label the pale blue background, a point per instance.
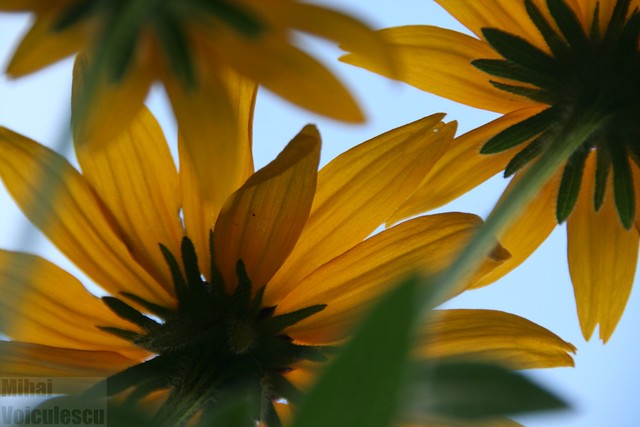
(602, 388)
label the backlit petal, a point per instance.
(58, 200)
(528, 230)
(136, 178)
(43, 304)
(19, 359)
(291, 74)
(438, 60)
(101, 107)
(493, 336)
(43, 46)
(261, 222)
(358, 191)
(351, 281)
(462, 167)
(602, 259)
(507, 15)
(214, 118)
(227, 162)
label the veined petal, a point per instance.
(43, 304)
(493, 336)
(529, 230)
(348, 283)
(261, 222)
(507, 15)
(602, 258)
(57, 199)
(291, 74)
(43, 46)
(438, 60)
(103, 108)
(214, 120)
(462, 167)
(20, 359)
(136, 178)
(227, 162)
(358, 191)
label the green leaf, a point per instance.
(362, 387)
(520, 132)
(474, 390)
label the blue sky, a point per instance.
(599, 387)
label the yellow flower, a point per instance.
(277, 271)
(189, 46)
(548, 67)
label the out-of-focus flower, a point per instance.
(550, 68)
(189, 46)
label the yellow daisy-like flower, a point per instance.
(247, 292)
(548, 67)
(189, 46)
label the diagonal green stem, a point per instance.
(574, 134)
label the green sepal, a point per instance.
(623, 190)
(520, 132)
(594, 31)
(570, 185)
(511, 71)
(130, 377)
(238, 409)
(179, 285)
(463, 390)
(603, 165)
(237, 17)
(568, 23)
(618, 18)
(534, 94)
(158, 310)
(519, 51)
(276, 324)
(73, 14)
(125, 334)
(269, 414)
(126, 312)
(553, 40)
(195, 283)
(530, 152)
(144, 389)
(173, 40)
(240, 300)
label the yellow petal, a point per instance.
(101, 107)
(493, 336)
(433, 421)
(44, 304)
(57, 199)
(214, 120)
(350, 33)
(136, 179)
(291, 74)
(529, 230)
(507, 15)
(223, 164)
(438, 60)
(348, 283)
(462, 167)
(602, 258)
(262, 221)
(43, 46)
(19, 359)
(358, 191)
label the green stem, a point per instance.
(574, 134)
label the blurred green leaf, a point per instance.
(473, 390)
(362, 387)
